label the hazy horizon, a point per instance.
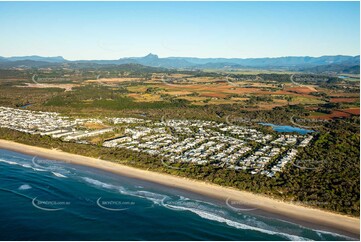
(215, 57)
(113, 30)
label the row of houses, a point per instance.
(185, 141)
(48, 123)
(209, 144)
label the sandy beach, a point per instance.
(304, 215)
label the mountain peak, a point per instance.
(151, 56)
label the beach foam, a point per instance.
(235, 224)
(58, 174)
(99, 183)
(298, 211)
(9, 162)
(156, 198)
(20, 164)
(25, 187)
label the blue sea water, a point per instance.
(287, 129)
(52, 200)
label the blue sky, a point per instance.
(110, 30)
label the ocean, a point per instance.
(52, 200)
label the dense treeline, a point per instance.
(329, 177)
(105, 98)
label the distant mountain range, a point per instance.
(337, 63)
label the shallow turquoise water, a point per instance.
(52, 200)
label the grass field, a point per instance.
(144, 91)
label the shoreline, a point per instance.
(342, 224)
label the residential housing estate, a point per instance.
(175, 141)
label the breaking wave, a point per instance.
(25, 187)
(199, 208)
(58, 174)
(9, 162)
(156, 198)
(214, 217)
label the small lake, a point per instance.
(288, 129)
(26, 105)
(343, 77)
